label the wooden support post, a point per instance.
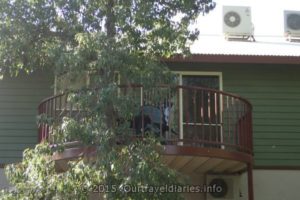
(250, 182)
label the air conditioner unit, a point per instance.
(223, 187)
(292, 23)
(237, 21)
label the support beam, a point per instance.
(250, 181)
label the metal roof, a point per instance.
(264, 46)
(266, 50)
(246, 59)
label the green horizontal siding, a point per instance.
(274, 91)
(18, 133)
(9, 147)
(276, 134)
(11, 154)
(278, 149)
(23, 111)
(19, 99)
(21, 139)
(275, 128)
(275, 95)
(16, 125)
(277, 162)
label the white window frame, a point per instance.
(195, 73)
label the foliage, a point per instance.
(42, 33)
(133, 165)
(103, 38)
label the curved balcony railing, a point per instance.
(182, 115)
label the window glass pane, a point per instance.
(201, 81)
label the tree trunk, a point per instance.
(111, 32)
(111, 21)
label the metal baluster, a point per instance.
(234, 119)
(216, 118)
(202, 117)
(187, 113)
(194, 110)
(228, 120)
(142, 106)
(209, 115)
(222, 100)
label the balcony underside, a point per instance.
(187, 160)
(197, 160)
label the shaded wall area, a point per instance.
(19, 99)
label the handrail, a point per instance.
(217, 91)
(178, 86)
(189, 116)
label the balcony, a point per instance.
(201, 130)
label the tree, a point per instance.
(102, 37)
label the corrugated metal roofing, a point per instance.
(264, 46)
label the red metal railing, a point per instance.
(181, 115)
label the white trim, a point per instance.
(205, 124)
(180, 110)
(201, 73)
(55, 84)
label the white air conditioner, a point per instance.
(223, 187)
(237, 21)
(292, 23)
